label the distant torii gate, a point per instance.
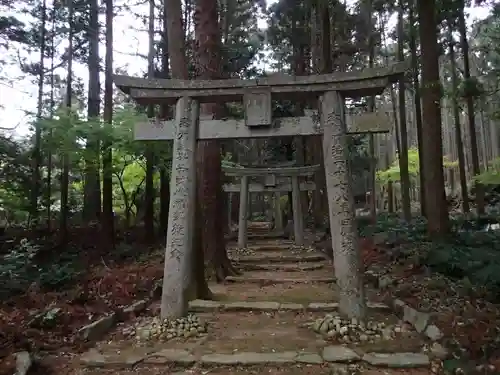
(257, 95)
(271, 185)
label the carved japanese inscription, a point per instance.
(347, 260)
(178, 252)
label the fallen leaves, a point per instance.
(48, 321)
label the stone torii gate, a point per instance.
(271, 185)
(257, 95)
(278, 220)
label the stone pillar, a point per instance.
(278, 215)
(180, 232)
(242, 222)
(298, 220)
(347, 260)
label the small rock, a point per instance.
(97, 329)
(418, 319)
(363, 337)
(385, 281)
(433, 332)
(387, 333)
(23, 363)
(438, 350)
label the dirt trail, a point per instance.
(265, 326)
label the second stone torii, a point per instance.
(271, 185)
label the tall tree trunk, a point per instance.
(456, 117)
(92, 186)
(63, 219)
(208, 62)
(107, 166)
(371, 108)
(403, 155)
(164, 113)
(437, 212)
(52, 107)
(418, 107)
(324, 65)
(37, 152)
(149, 195)
(479, 190)
(299, 69)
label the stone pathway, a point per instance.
(263, 320)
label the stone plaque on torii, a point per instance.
(257, 95)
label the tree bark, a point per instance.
(37, 149)
(149, 194)
(208, 63)
(456, 117)
(92, 186)
(418, 108)
(437, 211)
(164, 114)
(476, 169)
(403, 155)
(107, 166)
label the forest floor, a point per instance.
(259, 321)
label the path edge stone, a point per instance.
(97, 329)
(330, 354)
(423, 322)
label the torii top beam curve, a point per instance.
(366, 82)
(304, 171)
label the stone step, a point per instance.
(281, 267)
(267, 280)
(280, 258)
(200, 305)
(259, 235)
(329, 354)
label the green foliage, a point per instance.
(472, 256)
(392, 174)
(396, 229)
(492, 175)
(19, 270)
(15, 178)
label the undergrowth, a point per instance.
(21, 268)
(469, 253)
